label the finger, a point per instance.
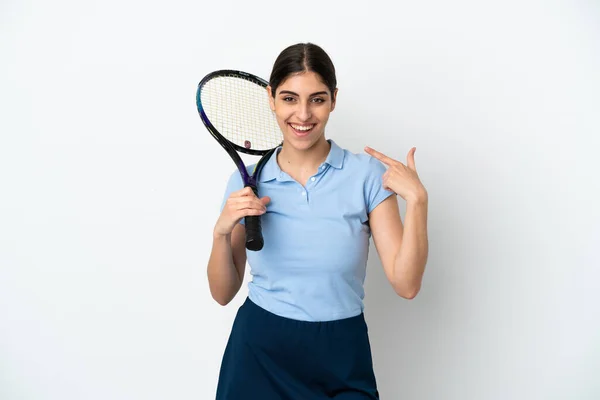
(265, 200)
(410, 159)
(247, 213)
(247, 191)
(251, 211)
(246, 202)
(255, 204)
(385, 176)
(380, 156)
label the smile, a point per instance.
(302, 128)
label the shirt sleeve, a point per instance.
(234, 184)
(374, 191)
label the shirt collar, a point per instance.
(271, 169)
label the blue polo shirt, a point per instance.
(313, 263)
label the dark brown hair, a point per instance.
(303, 57)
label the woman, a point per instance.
(301, 333)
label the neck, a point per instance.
(302, 161)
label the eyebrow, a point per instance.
(296, 94)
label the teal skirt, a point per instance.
(269, 357)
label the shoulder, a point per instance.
(235, 181)
(367, 171)
(362, 164)
(235, 175)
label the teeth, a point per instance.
(302, 128)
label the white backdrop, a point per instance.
(110, 186)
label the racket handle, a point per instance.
(254, 237)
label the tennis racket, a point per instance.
(234, 107)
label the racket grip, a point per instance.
(254, 237)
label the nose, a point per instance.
(303, 111)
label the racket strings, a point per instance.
(239, 110)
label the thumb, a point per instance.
(265, 200)
(410, 159)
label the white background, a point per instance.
(110, 186)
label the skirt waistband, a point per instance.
(256, 312)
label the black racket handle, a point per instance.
(254, 237)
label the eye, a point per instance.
(288, 99)
(318, 100)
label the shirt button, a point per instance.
(312, 179)
(303, 193)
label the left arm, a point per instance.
(403, 250)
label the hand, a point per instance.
(239, 205)
(401, 179)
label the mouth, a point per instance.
(302, 129)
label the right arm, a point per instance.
(227, 262)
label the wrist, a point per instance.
(221, 236)
(420, 197)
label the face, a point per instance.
(302, 105)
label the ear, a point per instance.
(334, 99)
(271, 99)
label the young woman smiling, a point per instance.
(301, 332)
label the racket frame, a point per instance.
(254, 237)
